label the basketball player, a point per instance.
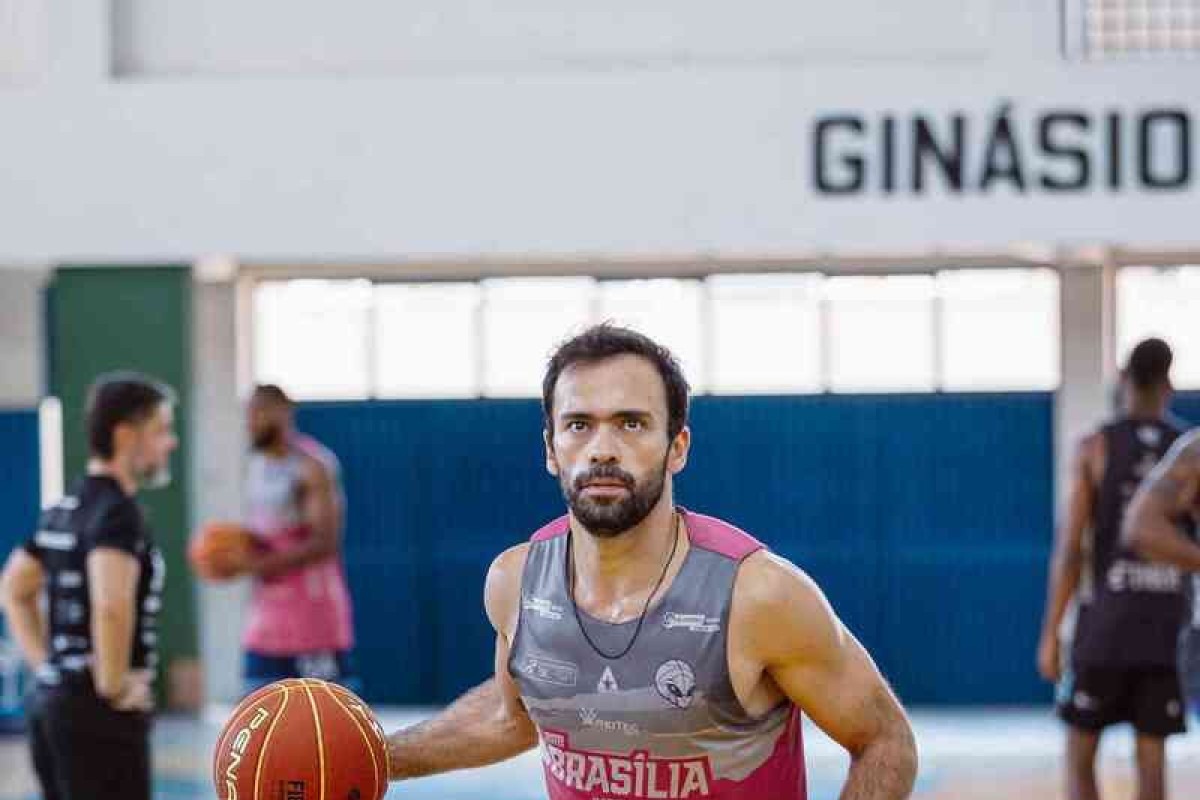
(300, 623)
(656, 652)
(95, 558)
(1160, 525)
(1121, 666)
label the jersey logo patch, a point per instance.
(696, 623)
(676, 683)
(548, 670)
(1149, 435)
(55, 540)
(608, 682)
(543, 608)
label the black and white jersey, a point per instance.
(97, 513)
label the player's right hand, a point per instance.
(1049, 658)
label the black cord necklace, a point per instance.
(641, 617)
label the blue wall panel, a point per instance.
(1187, 406)
(435, 490)
(20, 481)
(20, 496)
(926, 519)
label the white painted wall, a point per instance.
(309, 37)
(458, 130)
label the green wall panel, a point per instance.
(131, 318)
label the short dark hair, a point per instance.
(1149, 364)
(121, 397)
(272, 392)
(607, 340)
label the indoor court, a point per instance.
(904, 255)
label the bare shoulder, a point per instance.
(781, 611)
(502, 589)
(314, 471)
(1182, 461)
(1178, 473)
(1186, 448)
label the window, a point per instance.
(524, 319)
(999, 329)
(881, 333)
(665, 309)
(766, 333)
(309, 337)
(1119, 28)
(960, 330)
(1162, 302)
(425, 337)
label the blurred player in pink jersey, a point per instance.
(300, 622)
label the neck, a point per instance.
(1146, 407)
(117, 470)
(631, 559)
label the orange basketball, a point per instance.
(301, 739)
(217, 548)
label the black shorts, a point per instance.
(259, 669)
(84, 749)
(1150, 698)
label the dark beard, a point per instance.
(611, 519)
(266, 439)
(155, 478)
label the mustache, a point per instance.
(606, 472)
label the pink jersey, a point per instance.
(306, 610)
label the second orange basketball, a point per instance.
(218, 548)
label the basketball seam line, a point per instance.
(262, 751)
(362, 733)
(320, 740)
(230, 727)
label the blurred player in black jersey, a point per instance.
(1121, 666)
(102, 574)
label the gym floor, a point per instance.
(1005, 754)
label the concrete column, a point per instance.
(80, 40)
(22, 371)
(219, 443)
(1088, 334)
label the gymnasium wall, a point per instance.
(926, 518)
(453, 131)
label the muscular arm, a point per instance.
(487, 724)
(1168, 494)
(1066, 561)
(788, 627)
(320, 514)
(21, 587)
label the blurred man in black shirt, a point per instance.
(95, 558)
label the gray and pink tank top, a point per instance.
(306, 610)
(663, 722)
